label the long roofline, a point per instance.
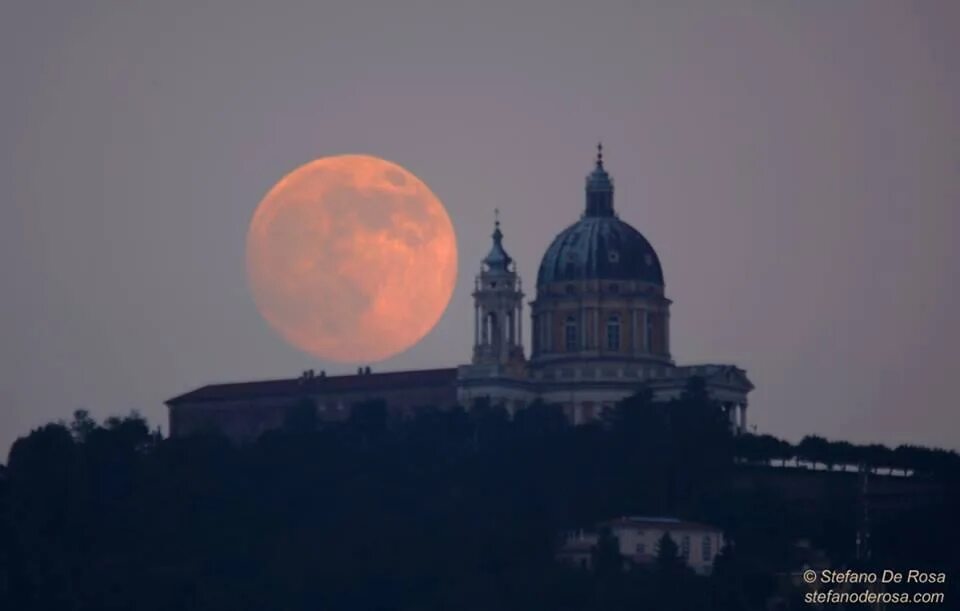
(287, 387)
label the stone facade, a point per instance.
(600, 324)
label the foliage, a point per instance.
(607, 561)
(814, 451)
(452, 509)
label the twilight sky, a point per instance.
(795, 164)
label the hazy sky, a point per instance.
(795, 164)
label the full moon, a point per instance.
(351, 258)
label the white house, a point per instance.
(639, 540)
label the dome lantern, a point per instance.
(497, 259)
(599, 189)
(600, 246)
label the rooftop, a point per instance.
(657, 522)
(291, 387)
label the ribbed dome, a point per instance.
(600, 247)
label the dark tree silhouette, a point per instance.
(83, 424)
(607, 560)
(301, 417)
(669, 563)
(452, 508)
(815, 450)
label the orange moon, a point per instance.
(351, 258)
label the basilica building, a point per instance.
(600, 322)
(600, 329)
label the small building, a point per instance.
(639, 538)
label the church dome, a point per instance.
(600, 246)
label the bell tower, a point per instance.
(498, 308)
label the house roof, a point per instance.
(647, 522)
(292, 387)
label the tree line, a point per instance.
(815, 451)
(452, 509)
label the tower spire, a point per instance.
(498, 301)
(497, 259)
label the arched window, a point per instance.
(613, 333)
(570, 334)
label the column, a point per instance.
(534, 337)
(549, 331)
(743, 417)
(476, 325)
(520, 324)
(505, 333)
(582, 328)
(731, 409)
(543, 320)
(634, 336)
(597, 344)
(646, 331)
(666, 332)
